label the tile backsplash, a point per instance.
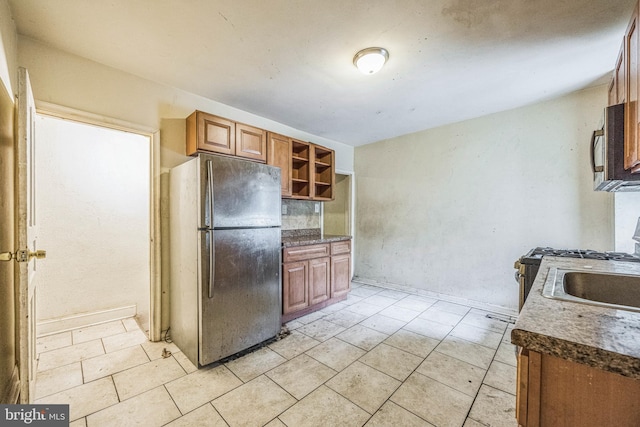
(300, 214)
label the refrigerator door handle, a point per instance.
(210, 192)
(212, 263)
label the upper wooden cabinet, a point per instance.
(631, 155)
(206, 132)
(251, 143)
(213, 134)
(313, 171)
(307, 170)
(324, 173)
(279, 154)
(301, 170)
(624, 88)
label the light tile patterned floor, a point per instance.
(380, 358)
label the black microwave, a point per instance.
(607, 154)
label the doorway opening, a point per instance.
(336, 215)
(93, 193)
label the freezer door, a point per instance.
(240, 193)
(241, 302)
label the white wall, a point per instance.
(450, 209)
(627, 212)
(92, 192)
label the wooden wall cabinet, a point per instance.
(213, 134)
(631, 157)
(559, 393)
(314, 276)
(324, 175)
(251, 142)
(279, 154)
(307, 170)
(301, 158)
(624, 88)
(313, 171)
(209, 133)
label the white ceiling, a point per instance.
(291, 60)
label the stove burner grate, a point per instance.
(582, 253)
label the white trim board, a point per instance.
(63, 324)
(444, 297)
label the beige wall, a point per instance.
(450, 209)
(8, 49)
(336, 213)
(72, 81)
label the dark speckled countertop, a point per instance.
(308, 237)
(605, 338)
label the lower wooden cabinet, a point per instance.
(295, 285)
(319, 280)
(556, 392)
(313, 277)
(340, 275)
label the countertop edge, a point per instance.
(559, 328)
(609, 361)
(288, 242)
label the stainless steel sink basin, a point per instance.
(617, 291)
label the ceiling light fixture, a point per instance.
(371, 59)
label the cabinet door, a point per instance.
(619, 77)
(251, 143)
(206, 132)
(279, 154)
(340, 275)
(295, 279)
(631, 158)
(319, 280)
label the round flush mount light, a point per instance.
(371, 59)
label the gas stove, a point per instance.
(528, 265)
(538, 253)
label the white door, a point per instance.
(26, 238)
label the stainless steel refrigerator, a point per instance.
(225, 290)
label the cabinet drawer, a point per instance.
(343, 247)
(300, 253)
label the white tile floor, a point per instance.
(380, 358)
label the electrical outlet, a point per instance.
(317, 207)
(284, 209)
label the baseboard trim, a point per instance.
(63, 324)
(449, 298)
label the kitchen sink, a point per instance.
(619, 291)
